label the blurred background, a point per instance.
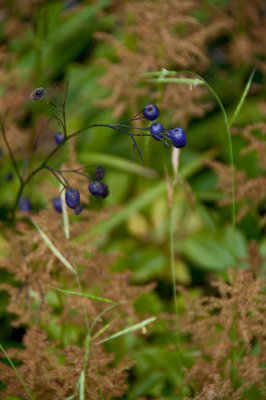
(104, 48)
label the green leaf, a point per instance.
(82, 386)
(65, 215)
(242, 99)
(16, 372)
(129, 330)
(86, 295)
(212, 251)
(119, 163)
(53, 248)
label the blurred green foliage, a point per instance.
(57, 45)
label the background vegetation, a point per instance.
(185, 284)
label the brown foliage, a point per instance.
(224, 328)
(37, 272)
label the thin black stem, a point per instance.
(3, 128)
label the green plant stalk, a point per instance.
(17, 373)
(227, 125)
(173, 276)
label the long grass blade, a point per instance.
(53, 248)
(129, 330)
(82, 386)
(65, 215)
(242, 99)
(121, 164)
(17, 373)
(87, 296)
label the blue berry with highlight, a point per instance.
(178, 137)
(151, 112)
(72, 198)
(156, 129)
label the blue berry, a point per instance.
(57, 204)
(99, 173)
(105, 191)
(25, 204)
(99, 189)
(9, 176)
(78, 209)
(59, 137)
(37, 94)
(151, 112)
(178, 137)
(72, 198)
(156, 128)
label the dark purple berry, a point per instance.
(57, 204)
(9, 176)
(72, 198)
(59, 137)
(37, 94)
(24, 204)
(99, 189)
(156, 129)
(168, 133)
(178, 137)
(99, 173)
(78, 209)
(151, 112)
(105, 190)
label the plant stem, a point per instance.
(9, 149)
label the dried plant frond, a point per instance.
(238, 310)
(250, 47)
(40, 358)
(254, 142)
(247, 190)
(181, 44)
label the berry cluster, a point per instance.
(176, 135)
(97, 188)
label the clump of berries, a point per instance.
(176, 135)
(99, 189)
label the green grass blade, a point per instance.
(119, 163)
(163, 72)
(16, 372)
(86, 295)
(53, 248)
(82, 386)
(242, 99)
(188, 81)
(65, 215)
(129, 330)
(101, 331)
